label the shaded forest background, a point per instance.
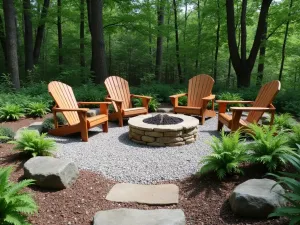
(163, 41)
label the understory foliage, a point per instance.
(270, 146)
(6, 134)
(153, 103)
(294, 136)
(34, 144)
(292, 194)
(37, 109)
(284, 121)
(228, 154)
(14, 204)
(11, 112)
(48, 124)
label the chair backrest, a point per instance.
(264, 98)
(118, 88)
(64, 98)
(200, 86)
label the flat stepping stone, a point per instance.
(93, 112)
(49, 172)
(36, 126)
(163, 194)
(140, 217)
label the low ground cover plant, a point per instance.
(34, 144)
(229, 152)
(292, 195)
(48, 124)
(294, 136)
(37, 109)
(15, 204)
(270, 146)
(11, 112)
(284, 121)
(6, 134)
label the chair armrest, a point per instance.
(93, 103)
(70, 110)
(178, 95)
(247, 109)
(114, 100)
(233, 102)
(209, 98)
(140, 96)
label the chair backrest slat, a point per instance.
(200, 86)
(64, 98)
(264, 98)
(118, 88)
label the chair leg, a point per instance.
(220, 125)
(84, 135)
(105, 127)
(120, 121)
(202, 119)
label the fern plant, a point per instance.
(228, 154)
(37, 109)
(153, 103)
(294, 136)
(6, 133)
(284, 121)
(11, 112)
(269, 147)
(14, 204)
(292, 195)
(35, 144)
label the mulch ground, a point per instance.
(203, 200)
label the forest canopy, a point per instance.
(238, 42)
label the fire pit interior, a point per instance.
(163, 119)
(163, 129)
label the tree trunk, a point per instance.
(261, 59)
(284, 41)
(28, 36)
(11, 41)
(159, 41)
(198, 35)
(242, 65)
(109, 55)
(181, 79)
(228, 73)
(3, 41)
(184, 35)
(167, 74)
(59, 34)
(90, 22)
(82, 57)
(217, 42)
(40, 32)
(98, 45)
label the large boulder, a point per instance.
(256, 198)
(49, 172)
(140, 217)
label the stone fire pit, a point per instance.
(163, 129)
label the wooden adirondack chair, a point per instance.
(199, 94)
(262, 104)
(76, 117)
(119, 95)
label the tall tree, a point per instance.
(11, 41)
(40, 32)
(82, 57)
(98, 45)
(285, 40)
(217, 41)
(242, 65)
(261, 59)
(2, 39)
(28, 36)
(198, 35)
(181, 79)
(59, 34)
(159, 41)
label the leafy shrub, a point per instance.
(48, 124)
(269, 147)
(37, 109)
(284, 121)
(34, 144)
(228, 153)
(14, 204)
(153, 104)
(182, 101)
(294, 136)
(230, 97)
(6, 134)
(11, 112)
(292, 195)
(90, 93)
